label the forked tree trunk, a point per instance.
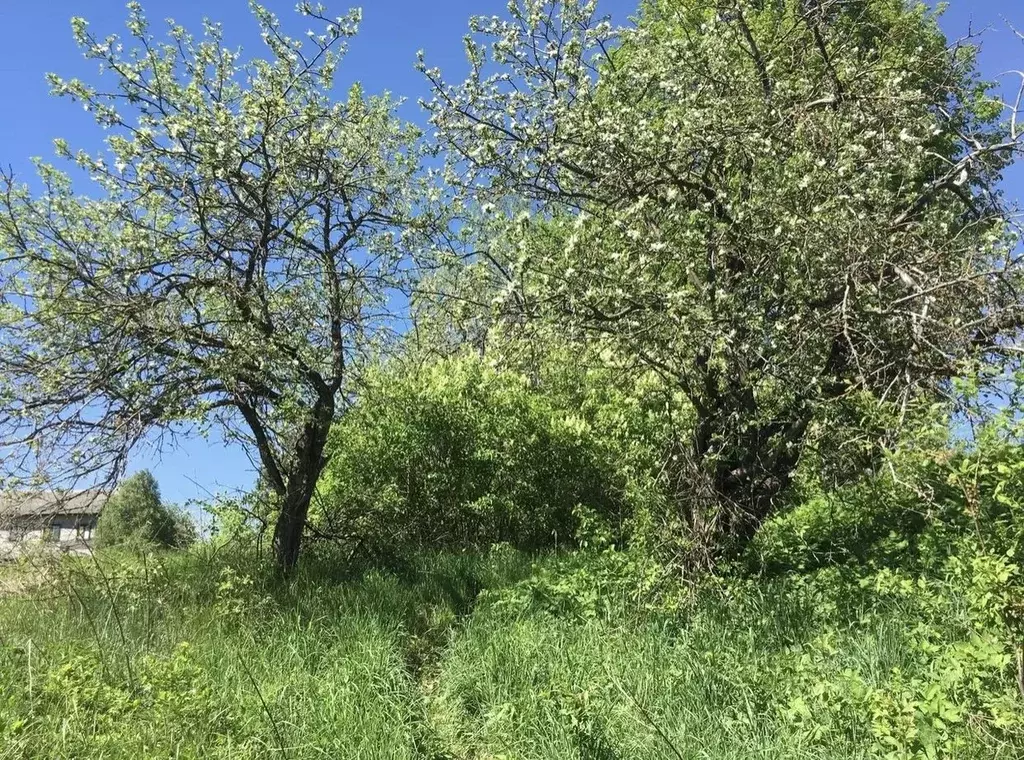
(725, 501)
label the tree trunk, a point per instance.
(301, 486)
(289, 529)
(724, 503)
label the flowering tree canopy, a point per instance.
(778, 205)
(239, 261)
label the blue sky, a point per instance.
(35, 38)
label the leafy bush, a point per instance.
(872, 521)
(939, 533)
(932, 492)
(135, 514)
(457, 454)
(186, 532)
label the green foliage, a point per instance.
(135, 514)
(455, 453)
(186, 532)
(103, 717)
(500, 653)
(853, 664)
(930, 496)
(95, 666)
(833, 237)
(221, 260)
(938, 533)
(754, 376)
(874, 520)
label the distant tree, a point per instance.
(780, 207)
(135, 514)
(242, 257)
(186, 532)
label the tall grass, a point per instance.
(194, 654)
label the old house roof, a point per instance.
(22, 504)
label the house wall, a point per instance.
(62, 530)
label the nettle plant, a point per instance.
(238, 259)
(778, 206)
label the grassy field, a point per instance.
(496, 655)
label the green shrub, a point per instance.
(135, 514)
(458, 454)
(938, 534)
(186, 533)
(915, 510)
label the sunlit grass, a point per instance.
(201, 655)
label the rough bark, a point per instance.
(300, 487)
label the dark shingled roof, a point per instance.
(50, 503)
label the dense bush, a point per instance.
(135, 514)
(916, 510)
(456, 453)
(939, 532)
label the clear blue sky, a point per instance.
(35, 38)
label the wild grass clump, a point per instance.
(864, 623)
(201, 654)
